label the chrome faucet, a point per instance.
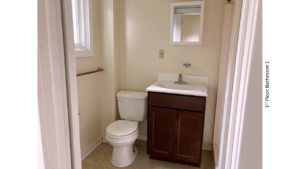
(180, 80)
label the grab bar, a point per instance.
(90, 72)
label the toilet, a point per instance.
(121, 134)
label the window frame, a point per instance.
(82, 16)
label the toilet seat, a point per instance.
(121, 128)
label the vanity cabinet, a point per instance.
(175, 127)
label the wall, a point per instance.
(251, 145)
(144, 29)
(226, 69)
(89, 108)
(89, 91)
(96, 92)
(109, 61)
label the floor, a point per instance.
(100, 159)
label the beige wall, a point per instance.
(89, 92)
(144, 29)
(96, 92)
(88, 97)
(109, 61)
(226, 71)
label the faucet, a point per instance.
(180, 80)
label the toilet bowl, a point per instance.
(121, 134)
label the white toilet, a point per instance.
(121, 134)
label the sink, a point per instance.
(196, 85)
(172, 85)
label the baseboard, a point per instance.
(142, 137)
(91, 148)
(207, 147)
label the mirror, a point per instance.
(187, 23)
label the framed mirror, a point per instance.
(186, 26)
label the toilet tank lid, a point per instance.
(132, 95)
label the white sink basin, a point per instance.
(196, 85)
(172, 85)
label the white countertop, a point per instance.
(196, 85)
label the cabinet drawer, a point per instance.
(192, 103)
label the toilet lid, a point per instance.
(121, 128)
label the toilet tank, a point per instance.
(132, 105)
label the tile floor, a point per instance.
(100, 159)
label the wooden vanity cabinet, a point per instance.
(175, 127)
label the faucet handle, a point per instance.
(180, 76)
(187, 65)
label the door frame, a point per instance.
(52, 90)
(231, 134)
(72, 89)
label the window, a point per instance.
(82, 27)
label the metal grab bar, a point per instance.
(90, 72)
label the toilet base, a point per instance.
(123, 156)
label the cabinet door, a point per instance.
(161, 129)
(189, 136)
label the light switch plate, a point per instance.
(161, 53)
